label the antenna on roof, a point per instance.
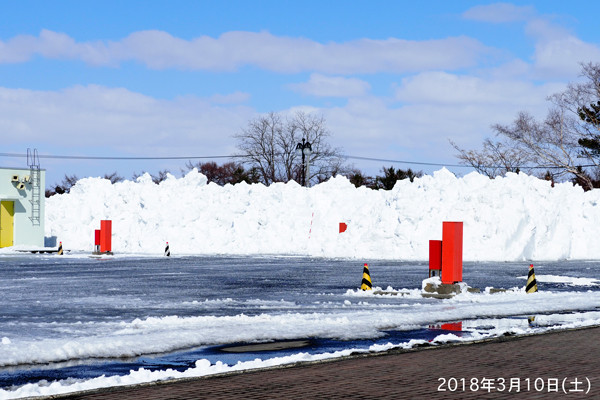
(33, 160)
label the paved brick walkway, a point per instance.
(549, 366)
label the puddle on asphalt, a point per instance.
(267, 346)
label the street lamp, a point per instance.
(304, 149)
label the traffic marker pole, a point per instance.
(366, 280)
(531, 282)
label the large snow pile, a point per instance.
(517, 217)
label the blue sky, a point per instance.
(394, 79)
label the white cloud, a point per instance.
(433, 108)
(331, 86)
(232, 98)
(499, 13)
(543, 30)
(232, 50)
(93, 116)
(558, 53)
(18, 49)
(436, 88)
(54, 45)
(563, 57)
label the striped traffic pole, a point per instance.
(366, 280)
(60, 249)
(167, 251)
(531, 282)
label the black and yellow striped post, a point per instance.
(366, 280)
(531, 282)
(167, 250)
(60, 249)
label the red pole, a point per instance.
(435, 258)
(105, 236)
(452, 247)
(97, 239)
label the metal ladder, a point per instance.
(33, 161)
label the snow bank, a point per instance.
(358, 316)
(514, 218)
(204, 367)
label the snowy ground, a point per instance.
(74, 322)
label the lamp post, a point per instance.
(304, 149)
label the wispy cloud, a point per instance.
(233, 50)
(439, 88)
(331, 86)
(499, 13)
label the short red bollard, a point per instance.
(97, 240)
(435, 258)
(452, 239)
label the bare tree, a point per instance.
(64, 187)
(114, 177)
(549, 144)
(496, 158)
(230, 172)
(555, 144)
(268, 144)
(258, 144)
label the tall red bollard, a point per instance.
(452, 249)
(435, 258)
(105, 236)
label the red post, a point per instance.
(452, 326)
(343, 227)
(452, 239)
(435, 258)
(97, 240)
(105, 235)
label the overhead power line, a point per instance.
(66, 157)
(403, 161)
(54, 156)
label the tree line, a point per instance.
(233, 173)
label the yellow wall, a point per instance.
(7, 214)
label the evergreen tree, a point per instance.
(591, 115)
(391, 176)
